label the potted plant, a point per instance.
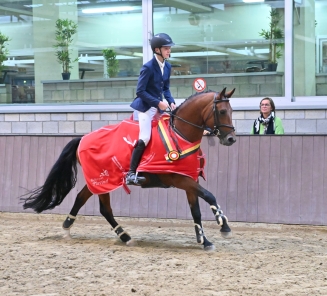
(65, 30)
(3, 52)
(111, 62)
(274, 35)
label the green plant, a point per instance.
(274, 35)
(3, 49)
(111, 62)
(65, 30)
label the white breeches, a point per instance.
(145, 119)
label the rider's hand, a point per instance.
(163, 105)
(172, 106)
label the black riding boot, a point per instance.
(131, 177)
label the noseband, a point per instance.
(216, 131)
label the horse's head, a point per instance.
(219, 119)
(209, 109)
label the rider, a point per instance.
(153, 82)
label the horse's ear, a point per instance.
(222, 94)
(230, 93)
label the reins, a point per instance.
(216, 127)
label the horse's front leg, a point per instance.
(196, 214)
(106, 211)
(221, 219)
(80, 201)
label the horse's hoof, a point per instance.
(67, 234)
(131, 243)
(226, 234)
(210, 248)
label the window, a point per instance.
(101, 24)
(229, 39)
(310, 48)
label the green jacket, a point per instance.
(279, 130)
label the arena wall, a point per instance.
(270, 179)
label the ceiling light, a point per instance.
(197, 54)
(33, 5)
(108, 9)
(253, 1)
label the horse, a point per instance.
(197, 113)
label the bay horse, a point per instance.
(189, 120)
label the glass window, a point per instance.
(310, 48)
(230, 39)
(102, 24)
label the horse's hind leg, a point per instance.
(106, 211)
(80, 201)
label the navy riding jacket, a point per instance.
(151, 86)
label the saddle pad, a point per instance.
(105, 154)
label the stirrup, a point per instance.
(133, 179)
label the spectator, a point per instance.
(267, 123)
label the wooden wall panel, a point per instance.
(323, 194)
(172, 203)
(33, 166)
(242, 179)
(274, 182)
(232, 176)
(162, 203)
(158, 202)
(273, 179)
(15, 175)
(7, 171)
(264, 211)
(139, 200)
(25, 167)
(144, 202)
(3, 141)
(318, 208)
(252, 180)
(306, 180)
(284, 180)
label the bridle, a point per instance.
(216, 131)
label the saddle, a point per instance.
(105, 154)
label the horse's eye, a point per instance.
(223, 112)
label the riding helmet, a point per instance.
(160, 40)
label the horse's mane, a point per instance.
(191, 97)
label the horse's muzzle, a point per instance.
(228, 140)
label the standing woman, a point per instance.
(267, 123)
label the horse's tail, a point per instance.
(61, 179)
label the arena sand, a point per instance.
(260, 259)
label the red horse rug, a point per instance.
(105, 154)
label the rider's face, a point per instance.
(165, 51)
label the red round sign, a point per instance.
(199, 84)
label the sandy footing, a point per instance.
(259, 259)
